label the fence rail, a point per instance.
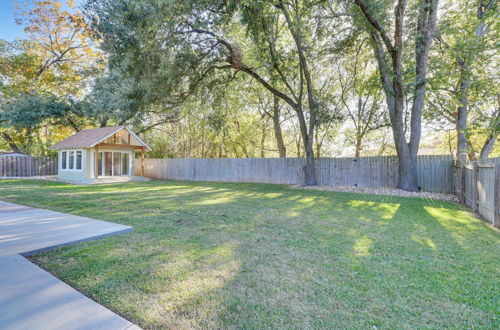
(435, 172)
(478, 184)
(23, 166)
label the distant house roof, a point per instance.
(88, 138)
(5, 154)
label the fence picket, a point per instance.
(364, 172)
(23, 166)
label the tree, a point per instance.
(62, 44)
(278, 134)
(389, 53)
(270, 107)
(489, 124)
(461, 77)
(45, 77)
(211, 42)
(361, 94)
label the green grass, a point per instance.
(219, 255)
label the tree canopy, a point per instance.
(255, 78)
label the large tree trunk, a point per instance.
(277, 127)
(391, 77)
(461, 127)
(12, 145)
(407, 169)
(310, 168)
(408, 179)
(307, 132)
(308, 142)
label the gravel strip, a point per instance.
(382, 191)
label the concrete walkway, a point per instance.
(31, 298)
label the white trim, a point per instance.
(119, 129)
(113, 152)
(92, 164)
(139, 139)
(107, 136)
(60, 159)
(74, 169)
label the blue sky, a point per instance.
(9, 30)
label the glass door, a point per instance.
(113, 163)
(99, 164)
(117, 163)
(108, 163)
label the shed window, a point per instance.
(71, 160)
(64, 154)
(78, 160)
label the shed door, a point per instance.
(108, 163)
(117, 163)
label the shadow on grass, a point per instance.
(241, 255)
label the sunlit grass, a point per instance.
(222, 255)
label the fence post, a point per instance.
(496, 197)
(475, 182)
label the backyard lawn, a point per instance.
(219, 255)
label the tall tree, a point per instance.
(389, 53)
(269, 106)
(360, 93)
(461, 77)
(45, 76)
(210, 42)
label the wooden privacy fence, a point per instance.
(478, 185)
(435, 172)
(23, 166)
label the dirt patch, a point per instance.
(184, 221)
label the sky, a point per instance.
(9, 30)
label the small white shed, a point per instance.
(93, 154)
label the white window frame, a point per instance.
(129, 165)
(76, 160)
(65, 162)
(74, 169)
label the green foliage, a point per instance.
(32, 110)
(43, 79)
(466, 45)
(163, 67)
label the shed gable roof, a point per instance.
(88, 138)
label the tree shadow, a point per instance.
(269, 256)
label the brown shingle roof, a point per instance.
(87, 138)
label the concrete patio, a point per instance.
(31, 298)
